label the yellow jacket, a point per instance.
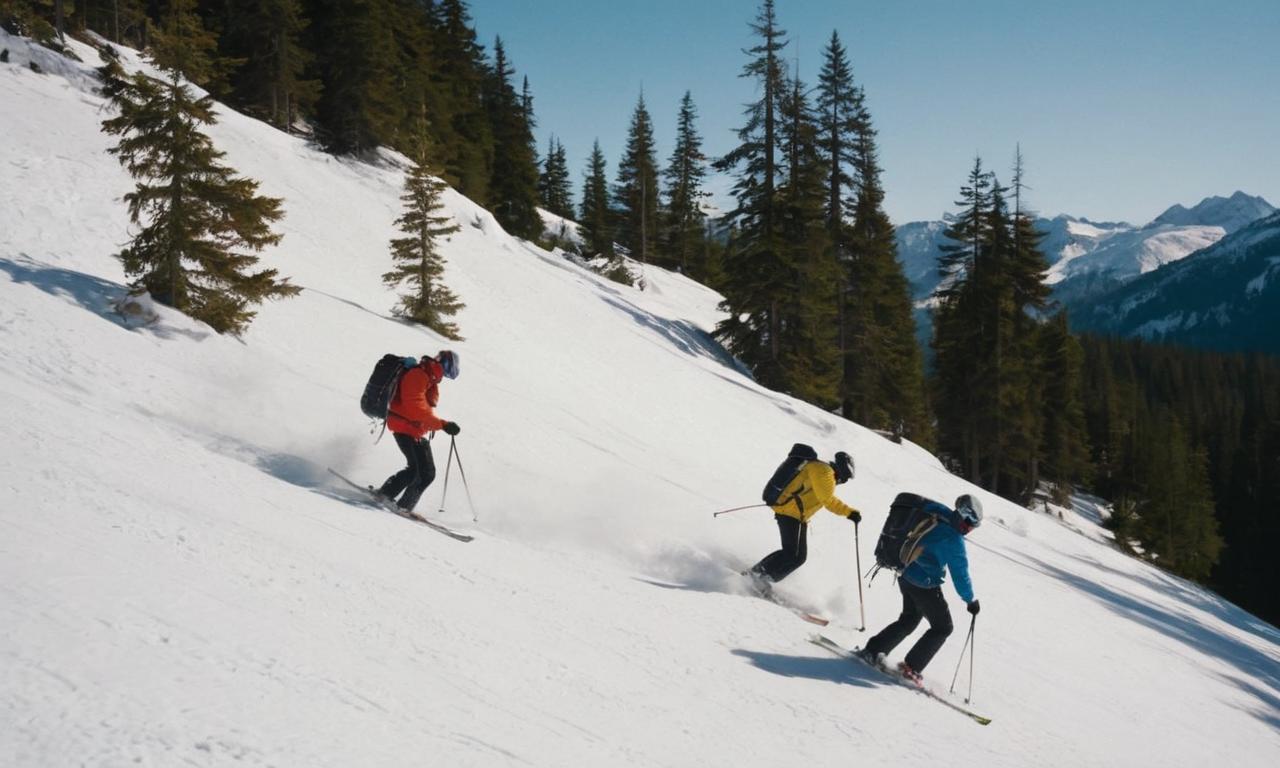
(813, 488)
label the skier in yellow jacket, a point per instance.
(813, 488)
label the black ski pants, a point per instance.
(795, 550)
(917, 603)
(415, 477)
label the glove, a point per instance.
(451, 428)
(855, 516)
(974, 607)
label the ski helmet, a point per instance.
(843, 465)
(968, 512)
(448, 360)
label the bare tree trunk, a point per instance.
(60, 21)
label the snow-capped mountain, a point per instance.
(1088, 259)
(1079, 272)
(1230, 213)
(918, 243)
(182, 582)
(1225, 297)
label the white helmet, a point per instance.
(969, 509)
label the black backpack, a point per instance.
(378, 393)
(786, 472)
(908, 522)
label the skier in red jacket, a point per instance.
(410, 418)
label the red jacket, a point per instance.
(411, 409)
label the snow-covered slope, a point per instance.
(181, 584)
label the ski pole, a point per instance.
(972, 621)
(453, 448)
(735, 509)
(447, 467)
(857, 553)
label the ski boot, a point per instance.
(909, 674)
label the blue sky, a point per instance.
(1122, 108)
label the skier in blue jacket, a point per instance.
(921, 586)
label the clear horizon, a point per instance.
(1121, 110)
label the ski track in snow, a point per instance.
(180, 583)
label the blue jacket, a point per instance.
(942, 547)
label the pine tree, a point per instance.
(24, 18)
(984, 339)
(513, 186)
(1177, 522)
(182, 43)
(882, 368)
(842, 117)
(359, 107)
(267, 36)
(755, 268)
(1065, 440)
(553, 185)
(418, 262)
(594, 218)
(808, 308)
(117, 20)
(458, 116)
(685, 173)
(1022, 383)
(200, 224)
(636, 191)
(958, 336)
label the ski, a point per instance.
(822, 641)
(812, 618)
(373, 498)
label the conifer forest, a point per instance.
(1185, 444)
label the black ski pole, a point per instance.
(453, 448)
(972, 621)
(447, 467)
(735, 509)
(857, 553)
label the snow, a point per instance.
(1084, 229)
(181, 583)
(1230, 213)
(1126, 254)
(559, 228)
(1258, 284)
(1162, 326)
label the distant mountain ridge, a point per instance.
(1089, 258)
(1231, 213)
(1224, 297)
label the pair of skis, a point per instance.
(826, 643)
(374, 498)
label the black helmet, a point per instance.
(843, 465)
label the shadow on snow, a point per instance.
(91, 293)
(1261, 670)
